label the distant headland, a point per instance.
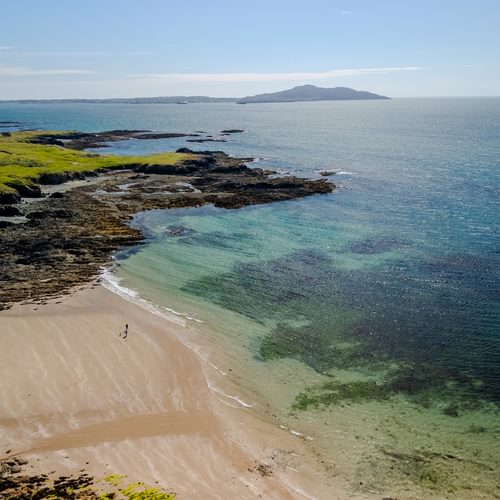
(296, 94)
(312, 93)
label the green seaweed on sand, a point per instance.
(114, 479)
(423, 386)
(80, 486)
(137, 491)
(335, 392)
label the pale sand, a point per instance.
(74, 396)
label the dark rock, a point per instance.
(177, 231)
(162, 135)
(57, 194)
(164, 169)
(8, 123)
(232, 131)
(31, 191)
(83, 140)
(37, 215)
(206, 140)
(9, 211)
(327, 173)
(61, 213)
(59, 178)
(9, 198)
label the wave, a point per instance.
(215, 390)
(258, 159)
(333, 172)
(112, 283)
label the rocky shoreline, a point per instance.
(53, 243)
(16, 483)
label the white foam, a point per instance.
(258, 159)
(112, 283)
(334, 172)
(296, 433)
(240, 401)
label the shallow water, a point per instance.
(367, 319)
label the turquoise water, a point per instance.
(378, 302)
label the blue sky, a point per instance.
(125, 48)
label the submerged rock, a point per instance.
(178, 231)
(376, 246)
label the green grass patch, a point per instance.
(23, 163)
(137, 491)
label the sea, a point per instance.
(365, 321)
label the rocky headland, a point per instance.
(68, 223)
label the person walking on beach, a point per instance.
(125, 332)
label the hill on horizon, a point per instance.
(311, 93)
(300, 93)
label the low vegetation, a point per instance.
(15, 485)
(24, 164)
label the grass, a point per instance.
(135, 491)
(23, 163)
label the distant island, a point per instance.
(312, 93)
(127, 100)
(300, 93)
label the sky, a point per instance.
(130, 48)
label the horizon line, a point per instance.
(230, 98)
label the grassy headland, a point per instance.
(25, 163)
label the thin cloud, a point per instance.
(141, 53)
(345, 12)
(62, 53)
(22, 71)
(269, 77)
(81, 53)
(6, 47)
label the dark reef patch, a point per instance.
(214, 239)
(417, 317)
(376, 246)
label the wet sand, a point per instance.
(74, 395)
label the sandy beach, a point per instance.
(75, 395)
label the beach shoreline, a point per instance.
(78, 396)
